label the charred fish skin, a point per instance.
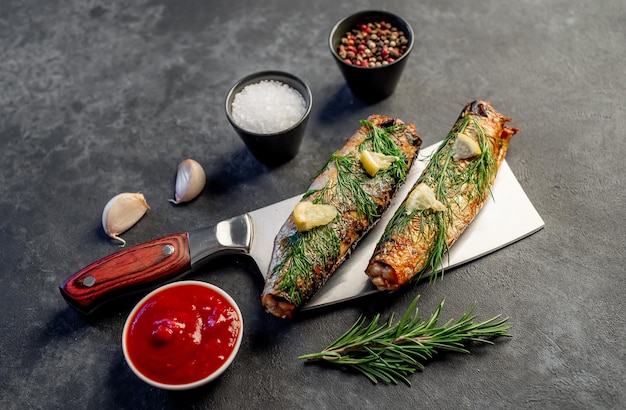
(302, 262)
(414, 242)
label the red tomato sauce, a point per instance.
(182, 334)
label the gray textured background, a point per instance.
(98, 98)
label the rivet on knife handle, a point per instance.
(144, 266)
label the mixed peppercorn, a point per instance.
(373, 45)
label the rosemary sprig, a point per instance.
(390, 352)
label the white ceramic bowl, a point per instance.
(182, 335)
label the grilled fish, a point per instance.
(303, 261)
(460, 175)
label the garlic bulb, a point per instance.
(121, 212)
(190, 181)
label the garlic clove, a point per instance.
(190, 181)
(121, 212)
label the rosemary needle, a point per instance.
(392, 351)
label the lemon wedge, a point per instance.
(308, 215)
(464, 147)
(423, 197)
(375, 161)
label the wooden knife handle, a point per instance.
(131, 270)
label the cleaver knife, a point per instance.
(507, 216)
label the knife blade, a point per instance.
(506, 217)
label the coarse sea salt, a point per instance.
(267, 107)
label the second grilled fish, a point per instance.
(452, 188)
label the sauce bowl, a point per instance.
(182, 335)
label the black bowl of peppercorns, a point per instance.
(371, 49)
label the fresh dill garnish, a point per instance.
(449, 179)
(380, 141)
(390, 352)
(350, 179)
(440, 245)
(305, 251)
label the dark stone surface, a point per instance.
(98, 98)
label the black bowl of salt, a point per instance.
(270, 110)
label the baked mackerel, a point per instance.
(302, 261)
(415, 240)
